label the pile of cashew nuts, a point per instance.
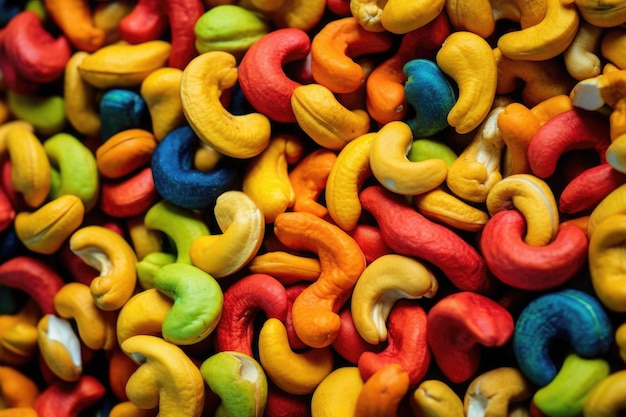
(279, 208)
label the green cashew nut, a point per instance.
(181, 225)
(150, 264)
(198, 301)
(239, 381)
(74, 169)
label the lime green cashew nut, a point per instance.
(534, 199)
(392, 168)
(109, 253)
(296, 373)
(384, 281)
(166, 378)
(239, 381)
(197, 307)
(74, 169)
(243, 227)
(181, 225)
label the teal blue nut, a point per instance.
(122, 109)
(571, 317)
(198, 301)
(430, 94)
(74, 169)
(176, 179)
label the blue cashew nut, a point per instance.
(430, 94)
(569, 315)
(122, 109)
(176, 179)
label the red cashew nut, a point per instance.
(409, 233)
(242, 301)
(459, 324)
(590, 187)
(262, 77)
(527, 267)
(69, 399)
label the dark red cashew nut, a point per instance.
(262, 77)
(292, 293)
(370, 240)
(458, 325)
(526, 267)
(68, 399)
(242, 301)
(34, 52)
(144, 23)
(407, 343)
(409, 233)
(349, 344)
(567, 131)
(590, 187)
(40, 281)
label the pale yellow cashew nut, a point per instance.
(581, 56)
(202, 83)
(243, 227)
(384, 281)
(470, 61)
(494, 392)
(392, 168)
(434, 398)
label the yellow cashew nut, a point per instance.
(394, 170)
(19, 335)
(266, 179)
(580, 57)
(346, 177)
(161, 92)
(109, 253)
(47, 228)
(446, 208)
(338, 393)
(534, 199)
(81, 106)
(96, 328)
(401, 17)
(434, 398)
(608, 397)
(60, 347)
(477, 169)
(613, 203)
(143, 314)
(295, 373)
(166, 378)
(495, 391)
(384, 281)
(243, 227)
(320, 114)
(202, 83)
(470, 61)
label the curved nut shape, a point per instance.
(434, 398)
(243, 229)
(143, 314)
(315, 317)
(181, 225)
(70, 398)
(606, 270)
(19, 335)
(266, 178)
(494, 391)
(308, 180)
(197, 304)
(60, 347)
(18, 389)
(546, 39)
(286, 267)
(383, 391)
(465, 321)
(321, 116)
(534, 199)
(96, 328)
(239, 381)
(204, 79)
(125, 152)
(606, 399)
(30, 166)
(109, 253)
(477, 169)
(446, 208)
(102, 68)
(345, 180)
(166, 378)
(569, 315)
(383, 282)
(161, 91)
(476, 81)
(392, 168)
(400, 18)
(338, 393)
(580, 375)
(581, 59)
(613, 203)
(46, 229)
(81, 106)
(295, 373)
